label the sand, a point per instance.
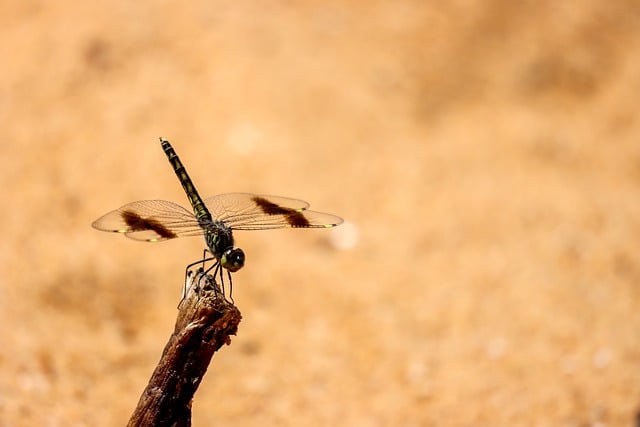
(485, 157)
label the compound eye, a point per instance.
(233, 259)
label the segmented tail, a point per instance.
(199, 209)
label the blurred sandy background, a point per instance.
(487, 153)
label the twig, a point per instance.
(205, 322)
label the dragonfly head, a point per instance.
(232, 259)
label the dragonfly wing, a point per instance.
(246, 211)
(150, 220)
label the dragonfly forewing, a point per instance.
(246, 211)
(150, 220)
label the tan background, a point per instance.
(487, 153)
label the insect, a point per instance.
(215, 218)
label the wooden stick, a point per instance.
(205, 322)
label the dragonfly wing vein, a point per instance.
(150, 220)
(246, 211)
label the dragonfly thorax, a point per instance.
(219, 239)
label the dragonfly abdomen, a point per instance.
(199, 209)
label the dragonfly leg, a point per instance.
(220, 272)
(203, 260)
(215, 265)
(230, 287)
(204, 256)
(186, 272)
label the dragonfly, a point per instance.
(215, 218)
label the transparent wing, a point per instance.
(150, 220)
(246, 211)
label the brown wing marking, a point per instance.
(293, 217)
(137, 223)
